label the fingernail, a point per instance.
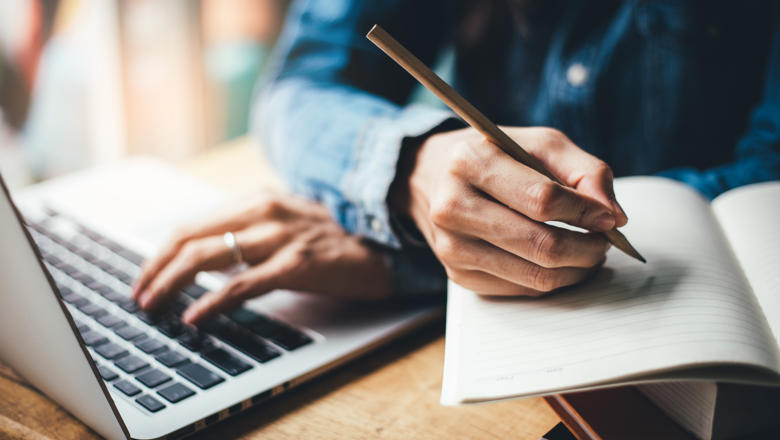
(618, 209)
(604, 222)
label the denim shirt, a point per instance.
(688, 90)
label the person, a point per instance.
(594, 90)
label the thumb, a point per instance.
(578, 169)
(598, 183)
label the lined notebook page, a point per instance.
(690, 404)
(750, 217)
(689, 305)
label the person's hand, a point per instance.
(288, 242)
(483, 213)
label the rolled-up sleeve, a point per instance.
(332, 117)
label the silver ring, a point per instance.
(232, 244)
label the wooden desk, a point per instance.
(392, 393)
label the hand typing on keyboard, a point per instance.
(287, 242)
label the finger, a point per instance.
(153, 266)
(542, 244)
(576, 168)
(203, 254)
(471, 254)
(260, 241)
(266, 206)
(534, 195)
(598, 183)
(263, 278)
(211, 253)
(486, 284)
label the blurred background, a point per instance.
(84, 82)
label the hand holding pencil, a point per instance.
(481, 200)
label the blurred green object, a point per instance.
(233, 68)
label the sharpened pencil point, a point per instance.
(621, 242)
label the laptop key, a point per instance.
(93, 310)
(193, 340)
(131, 364)
(127, 387)
(244, 341)
(100, 288)
(194, 291)
(75, 299)
(110, 321)
(151, 346)
(176, 392)
(275, 331)
(81, 326)
(153, 378)
(291, 339)
(130, 256)
(225, 361)
(128, 333)
(170, 327)
(93, 339)
(201, 376)
(106, 373)
(82, 277)
(172, 359)
(111, 351)
(128, 305)
(146, 317)
(150, 403)
(114, 297)
(125, 278)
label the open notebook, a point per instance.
(706, 306)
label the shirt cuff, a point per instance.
(415, 272)
(368, 180)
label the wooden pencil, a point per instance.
(474, 117)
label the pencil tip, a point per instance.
(621, 242)
(630, 250)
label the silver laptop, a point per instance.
(68, 256)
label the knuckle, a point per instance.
(542, 280)
(542, 197)
(461, 159)
(600, 168)
(237, 288)
(444, 210)
(547, 248)
(180, 236)
(453, 274)
(267, 206)
(447, 249)
(551, 137)
(300, 254)
(191, 253)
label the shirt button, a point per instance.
(577, 74)
(376, 225)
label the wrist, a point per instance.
(399, 196)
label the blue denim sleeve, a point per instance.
(757, 154)
(332, 116)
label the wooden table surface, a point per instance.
(391, 393)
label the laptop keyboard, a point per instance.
(153, 359)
